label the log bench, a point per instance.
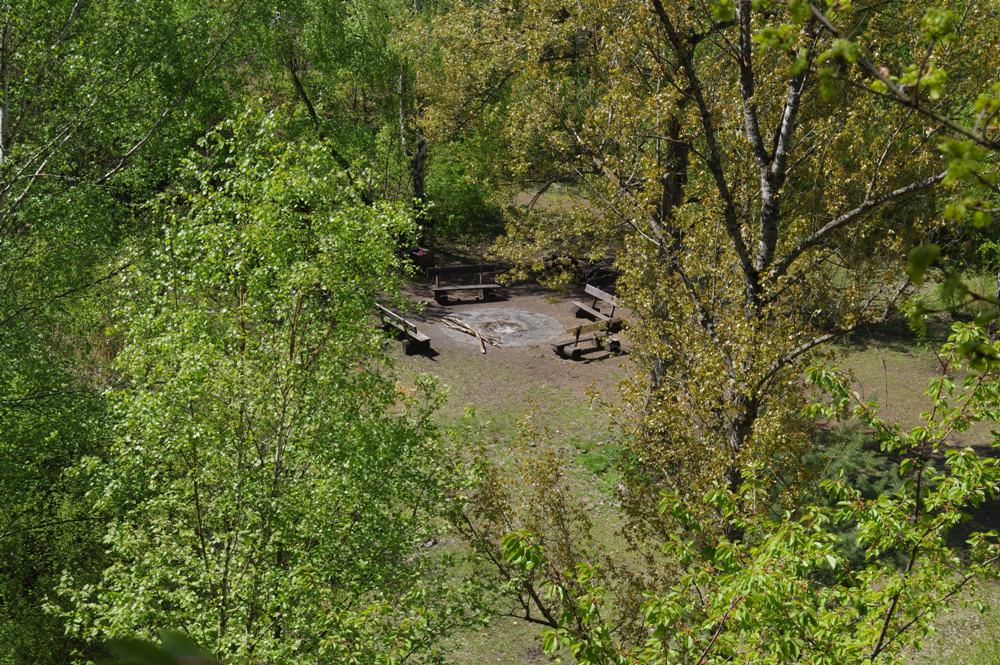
(484, 288)
(589, 337)
(414, 341)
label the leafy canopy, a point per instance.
(267, 484)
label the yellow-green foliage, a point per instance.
(756, 205)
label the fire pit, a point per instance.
(503, 329)
(510, 327)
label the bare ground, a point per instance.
(571, 400)
(510, 384)
(507, 376)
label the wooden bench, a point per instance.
(414, 341)
(600, 333)
(600, 298)
(484, 288)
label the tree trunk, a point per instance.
(418, 166)
(747, 411)
(415, 150)
(4, 83)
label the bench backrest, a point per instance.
(479, 269)
(385, 312)
(601, 295)
(465, 269)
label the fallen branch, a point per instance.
(462, 326)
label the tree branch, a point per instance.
(898, 94)
(714, 153)
(848, 218)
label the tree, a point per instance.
(756, 210)
(267, 486)
(921, 87)
(100, 102)
(787, 590)
(356, 87)
(97, 101)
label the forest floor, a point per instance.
(506, 375)
(574, 401)
(570, 400)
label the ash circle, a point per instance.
(510, 327)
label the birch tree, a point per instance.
(760, 201)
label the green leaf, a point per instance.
(829, 86)
(181, 646)
(781, 37)
(920, 259)
(723, 10)
(981, 219)
(842, 49)
(801, 62)
(938, 23)
(799, 10)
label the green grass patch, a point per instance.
(598, 457)
(966, 635)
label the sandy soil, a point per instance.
(525, 362)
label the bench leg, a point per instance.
(410, 347)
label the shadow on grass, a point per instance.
(985, 517)
(854, 452)
(896, 335)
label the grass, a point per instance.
(893, 374)
(506, 398)
(598, 458)
(889, 365)
(505, 641)
(966, 635)
(892, 367)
